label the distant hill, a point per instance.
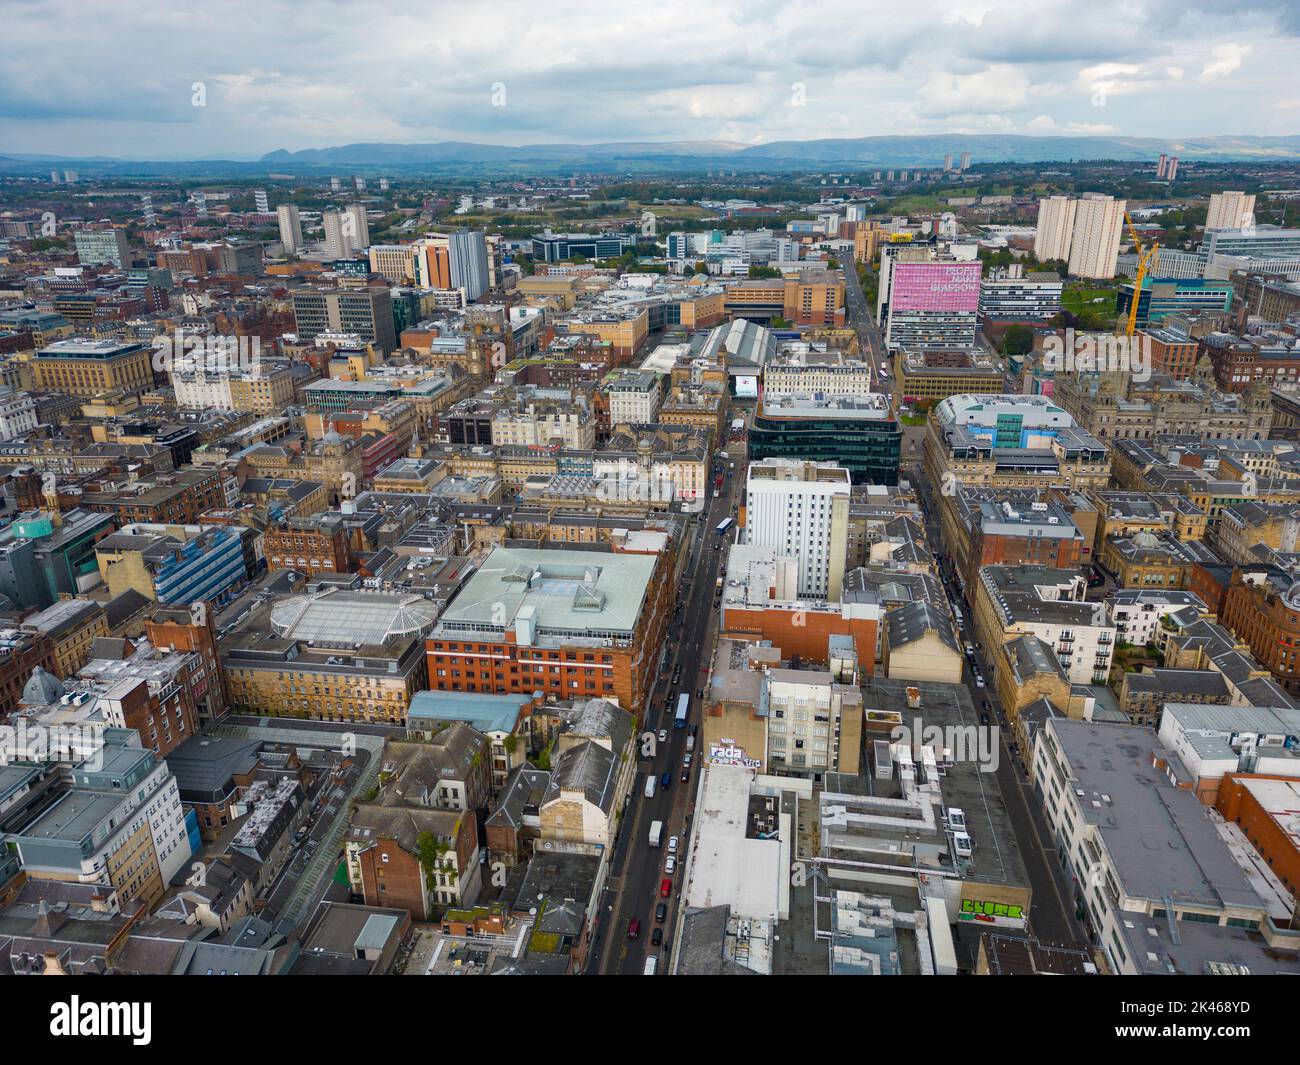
(668, 156)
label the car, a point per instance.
(979, 682)
(670, 865)
(663, 735)
(657, 937)
(634, 928)
(970, 649)
(661, 913)
(665, 780)
(686, 776)
(672, 844)
(665, 888)
(984, 717)
(686, 762)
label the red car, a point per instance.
(634, 928)
(665, 888)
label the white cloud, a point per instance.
(1226, 59)
(996, 90)
(625, 70)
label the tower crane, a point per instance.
(1147, 257)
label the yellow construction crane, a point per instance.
(1147, 258)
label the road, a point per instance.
(871, 344)
(1051, 912)
(636, 868)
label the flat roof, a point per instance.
(561, 594)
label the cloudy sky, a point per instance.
(242, 77)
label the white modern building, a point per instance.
(1137, 612)
(1230, 210)
(801, 509)
(290, 228)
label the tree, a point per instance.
(1017, 340)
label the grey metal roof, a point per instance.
(1160, 838)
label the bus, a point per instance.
(884, 371)
(724, 525)
(683, 708)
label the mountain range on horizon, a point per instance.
(777, 156)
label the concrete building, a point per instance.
(801, 509)
(102, 247)
(1098, 227)
(1194, 903)
(1055, 228)
(1230, 210)
(290, 228)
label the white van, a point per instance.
(651, 782)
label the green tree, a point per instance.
(1017, 340)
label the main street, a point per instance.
(1052, 915)
(637, 868)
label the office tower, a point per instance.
(290, 228)
(965, 160)
(889, 175)
(801, 509)
(1055, 228)
(368, 312)
(875, 176)
(1172, 171)
(947, 161)
(100, 247)
(1098, 226)
(1161, 165)
(260, 201)
(358, 230)
(468, 262)
(146, 208)
(679, 245)
(933, 305)
(1230, 210)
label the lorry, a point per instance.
(656, 832)
(651, 964)
(651, 782)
